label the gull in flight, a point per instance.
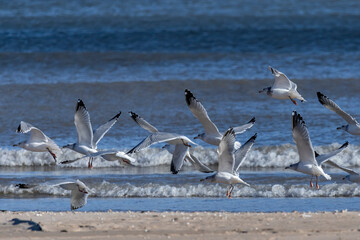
(179, 144)
(353, 175)
(79, 193)
(230, 161)
(212, 135)
(38, 141)
(87, 138)
(353, 127)
(308, 164)
(282, 87)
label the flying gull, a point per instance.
(353, 127)
(87, 138)
(282, 87)
(38, 141)
(230, 161)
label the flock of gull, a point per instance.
(231, 154)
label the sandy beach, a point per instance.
(179, 225)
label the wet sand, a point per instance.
(179, 225)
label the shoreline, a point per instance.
(179, 225)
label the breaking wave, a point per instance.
(107, 189)
(277, 156)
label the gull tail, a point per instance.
(327, 176)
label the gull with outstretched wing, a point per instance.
(282, 88)
(38, 141)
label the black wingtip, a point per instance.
(344, 145)
(230, 131)
(80, 104)
(133, 115)
(252, 120)
(23, 186)
(321, 97)
(116, 116)
(271, 69)
(188, 96)
(18, 130)
(173, 170)
(296, 119)
(316, 154)
(252, 139)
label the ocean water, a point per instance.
(140, 56)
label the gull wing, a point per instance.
(99, 133)
(198, 164)
(302, 139)
(348, 170)
(83, 125)
(158, 137)
(36, 135)
(243, 128)
(241, 153)
(226, 152)
(79, 193)
(200, 113)
(281, 81)
(325, 157)
(143, 123)
(117, 156)
(331, 105)
(178, 158)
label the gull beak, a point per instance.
(15, 145)
(196, 137)
(286, 167)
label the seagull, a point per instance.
(353, 126)
(179, 144)
(79, 193)
(38, 141)
(282, 87)
(87, 138)
(353, 175)
(212, 135)
(230, 161)
(308, 163)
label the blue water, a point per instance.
(140, 56)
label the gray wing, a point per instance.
(243, 128)
(83, 125)
(156, 137)
(200, 113)
(36, 135)
(241, 153)
(103, 129)
(79, 193)
(331, 105)
(348, 170)
(118, 156)
(143, 123)
(226, 152)
(281, 81)
(325, 157)
(198, 164)
(178, 158)
(302, 139)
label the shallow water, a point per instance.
(140, 56)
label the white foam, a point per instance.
(264, 156)
(106, 189)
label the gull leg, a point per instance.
(293, 101)
(317, 185)
(52, 154)
(311, 184)
(227, 191)
(232, 188)
(90, 162)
